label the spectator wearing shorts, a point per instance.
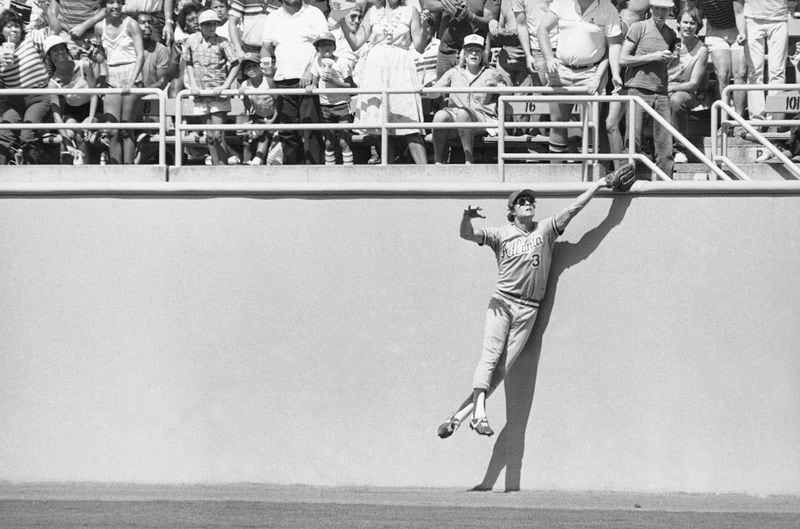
(122, 41)
(75, 19)
(331, 71)
(646, 55)
(767, 25)
(687, 73)
(467, 107)
(726, 40)
(71, 108)
(529, 14)
(588, 45)
(211, 64)
(260, 108)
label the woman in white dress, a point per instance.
(389, 31)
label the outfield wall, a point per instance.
(319, 338)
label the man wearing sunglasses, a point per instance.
(523, 249)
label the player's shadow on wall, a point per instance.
(520, 381)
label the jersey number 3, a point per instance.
(535, 259)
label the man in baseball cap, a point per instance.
(524, 251)
(512, 198)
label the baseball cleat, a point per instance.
(481, 426)
(448, 427)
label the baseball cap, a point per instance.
(474, 40)
(51, 41)
(251, 57)
(521, 193)
(662, 3)
(325, 36)
(208, 16)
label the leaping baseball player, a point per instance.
(523, 249)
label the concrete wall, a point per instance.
(321, 340)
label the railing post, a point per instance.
(178, 131)
(501, 138)
(384, 130)
(162, 128)
(584, 140)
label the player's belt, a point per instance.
(517, 299)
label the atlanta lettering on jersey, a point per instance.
(520, 246)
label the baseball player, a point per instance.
(523, 249)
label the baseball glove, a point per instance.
(621, 179)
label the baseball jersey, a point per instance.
(523, 259)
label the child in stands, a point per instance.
(211, 64)
(259, 107)
(331, 71)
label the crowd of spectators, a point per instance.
(662, 52)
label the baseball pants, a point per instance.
(508, 326)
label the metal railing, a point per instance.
(160, 126)
(719, 151)
(384, 125)
(631, 155)
(588, 105)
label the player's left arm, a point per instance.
(563, 218)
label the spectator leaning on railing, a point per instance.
(646, 54)
(289, 34)
(588, 45)
(260, 108)
(687, 73)
(71, 108)
(122, 41)
(467, 107)
(330, 71)
(211, 64)
(21, 66)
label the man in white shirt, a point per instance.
(289, 34)
(766, 22)
(589, 43)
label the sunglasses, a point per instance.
(521, 201)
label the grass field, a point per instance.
(66, 505)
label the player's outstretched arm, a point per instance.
(563, 218)
(468, 231)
